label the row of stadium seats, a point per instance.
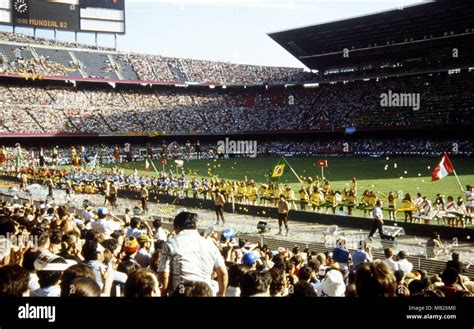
(29, 56)
(24, 54)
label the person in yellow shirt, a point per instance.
(241, 192)
(316, 181)
(214, 188)
(317, 199)
(270, 193)
(304, 197)
(365, 202)
(351, 201)
(290, 196)
(262, 194)
(392, 202)
(408, 205)
(277, 191)
(309, 184)
(252, 193)
(372, 199)
(329, 199)
(354, 186)
(326, 186)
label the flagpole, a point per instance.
(459, 182)
(454, 171)
(154, 166)
(292, 170)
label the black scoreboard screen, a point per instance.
(49, 14)
(106, 16)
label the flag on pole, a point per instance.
(442, 170)
(147, 165)
(278, 170)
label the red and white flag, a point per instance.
(442, 170)
(147, 165)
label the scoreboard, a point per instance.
(106, 16)
(48, 14)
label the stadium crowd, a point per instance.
(26, 39)
(20, 57)
(446, 99)
(53, 251)
(130, 152)
(159, 68)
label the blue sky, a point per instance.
(225, 30)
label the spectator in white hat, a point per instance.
(49, 269)
(333, 284)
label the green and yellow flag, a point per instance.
(278, 170)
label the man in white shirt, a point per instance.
(378, 221)
(190, 257)
(469, 199)
(403, 262)
(160, 233)
(388, 252)
(106, 223)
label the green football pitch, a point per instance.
(384, 174)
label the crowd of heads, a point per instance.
(355, 105)
(146, 67)
(23, 38)
(53, 251)
(131, 152)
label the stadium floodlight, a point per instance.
(311, 85)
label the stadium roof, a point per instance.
(405, 34)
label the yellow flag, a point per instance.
(278, 170)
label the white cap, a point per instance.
(333, 284)
(43, 263)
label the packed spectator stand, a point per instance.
(23, 54)
(446, 99)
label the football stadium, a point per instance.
(137, 175)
